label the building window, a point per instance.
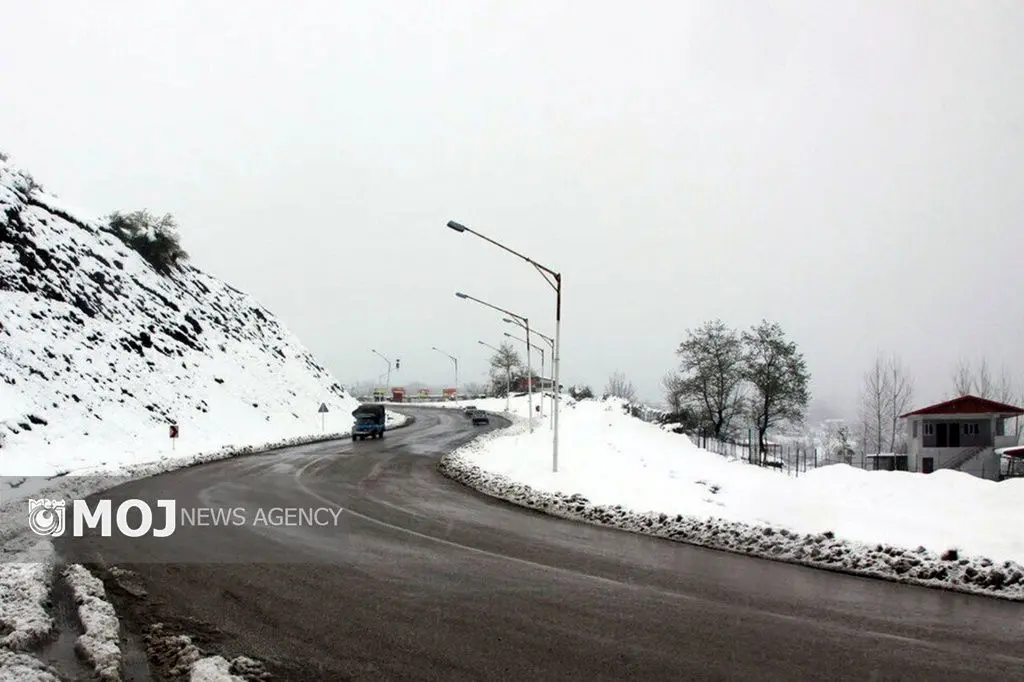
(915, 429)
(1000, 427)
(929, 429)
(970, 429)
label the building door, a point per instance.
(942, 435)
(927, 465)
(954, 435)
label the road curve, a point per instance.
(423, 579)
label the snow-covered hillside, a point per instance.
(99, 353)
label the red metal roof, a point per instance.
(968, 404)
(1014, 452)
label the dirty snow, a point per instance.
(100, 643)
(24, 595)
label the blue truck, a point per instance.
(370, 421)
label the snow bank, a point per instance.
(100, 643)
(18, 667)
(24, 595)
(213, 669)
(618, 471)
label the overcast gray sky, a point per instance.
(849, 169)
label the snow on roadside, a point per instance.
(15, 490)
(24, 595)
(213, 669)
(394, 419)
(18, 667)
(178, 657)
(100, 643)
(624, 473)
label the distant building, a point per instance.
(539, 384)
(962, 434)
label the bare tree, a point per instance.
(876, 397)
(963, 378)
(673, 385)
(620, 387)
(983, 383)
(901, 392)
(713, 373)
(1003, 390)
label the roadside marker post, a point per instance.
(173, 434)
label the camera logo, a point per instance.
(47, 517)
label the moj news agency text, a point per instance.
(136, 518)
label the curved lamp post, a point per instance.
(387, 380)
(554, 279)
(456, 361)
(529, 369)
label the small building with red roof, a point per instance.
(962, 434)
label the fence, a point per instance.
(791, 460)
(797, 459)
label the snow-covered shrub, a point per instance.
(155, 239)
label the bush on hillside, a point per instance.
(581, 392)
(685, 420)
(25, 184)
(155, 239)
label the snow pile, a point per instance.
(17, 667)
(946, 529)
(24, 620)
(213, 669)
(24, 595)
(100, 643)
(177, 657)
(99, 353)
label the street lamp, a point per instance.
(456, 361)
(508, 377)
(554, 279)
(529, 368)
(387, 380)
(551, 341)
(541, 368)
(551, 344)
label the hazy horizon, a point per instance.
(848, 169)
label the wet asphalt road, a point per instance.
(423, 579)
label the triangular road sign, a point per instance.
(323, 408)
